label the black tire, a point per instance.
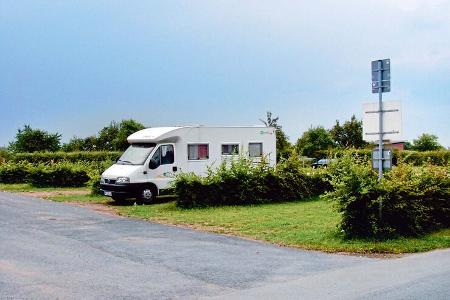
(146, 195)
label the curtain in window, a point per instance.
(193, 152)
(202, 151)
(255, 149)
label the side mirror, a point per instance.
(153, 164)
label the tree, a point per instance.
(80, 144)
(426, 142)
(126, 128)
(75, 144)
(106, 137)
(348, 135)
(312, 140)
(32, 140)
(110, 138)
(283, 146)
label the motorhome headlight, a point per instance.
(123, 180)
(102, 179)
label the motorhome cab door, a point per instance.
(162, 165)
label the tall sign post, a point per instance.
(381, 83)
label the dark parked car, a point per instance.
(322, 163)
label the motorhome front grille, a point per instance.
(110, 181)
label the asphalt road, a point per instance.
(58, 251)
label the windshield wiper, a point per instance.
(125, 161)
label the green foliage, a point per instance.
(438, 158)
(415, 200)
(4, 155)
(110, 138)
(94, 184)
(283, 146)
(114, 137)
(313, 140)
(417, 158)
(80, 144)
(426, 142)
(74, 157)
(348, 135)
(107, 135)
(241, 182)
(57, 175)
(32, 140)
(126, 128)
(14, 173)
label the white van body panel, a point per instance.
(183, 136)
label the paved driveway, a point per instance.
(53, 250)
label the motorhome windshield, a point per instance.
(136, 154)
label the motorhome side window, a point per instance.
(198, 151)
(230, 149)
(164, 155)
(255, 149)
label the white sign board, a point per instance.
(392, 121)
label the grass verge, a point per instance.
(310, 224)
(26, 187)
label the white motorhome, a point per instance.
(156, 155)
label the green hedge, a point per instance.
(417, 158)
(415, 199)
(240, 182)
(14, 173)
(54, 157)
(56, 174)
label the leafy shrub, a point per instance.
(57, 175)
(415, 200)
(438, 158)
(4, 155)
(417, 158)
(94, 184)
(14, 173)
(240, 182)
(74, 157)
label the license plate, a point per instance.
(107, 193)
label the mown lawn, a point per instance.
(26, 187)
(306, 224)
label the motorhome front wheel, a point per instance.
(146, 195)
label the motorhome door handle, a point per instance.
(174, 168)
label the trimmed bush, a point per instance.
(57, 175)
(417, 158)
(415, 199)
(74, 157)
(14, 173)
(241, 182)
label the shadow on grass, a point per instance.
(131, 202)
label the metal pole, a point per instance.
(380, 128)
(380, 120)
